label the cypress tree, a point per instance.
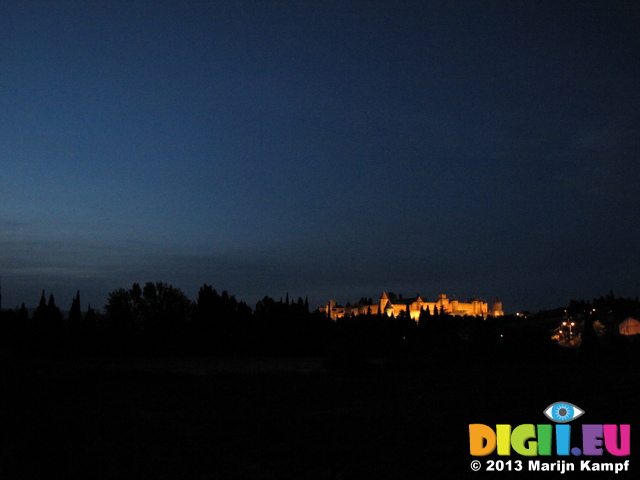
(54, 315)
(75, 315)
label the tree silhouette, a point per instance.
(158, 313)
(75, 315)
(23, 314)
(219, 321)
(74, 321)
(90, 322)
(123, 309)
(48, 327)
(41, 312)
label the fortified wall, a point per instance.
(473, 307)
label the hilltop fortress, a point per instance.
(394, 306)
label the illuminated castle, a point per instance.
(414, 306)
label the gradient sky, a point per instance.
(329, 149)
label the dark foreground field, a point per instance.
(285, 418)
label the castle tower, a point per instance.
(443, 303)
(417, 308)
(476, 307)
(382, 303)
(453, 309)
(496, 308)
(330, 309)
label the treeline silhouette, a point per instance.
(159, 319)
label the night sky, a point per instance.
(323, 149)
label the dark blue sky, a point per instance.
(329, 149)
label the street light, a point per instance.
(570, 325)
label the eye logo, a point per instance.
(562, 412)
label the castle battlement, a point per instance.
(414, 306)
